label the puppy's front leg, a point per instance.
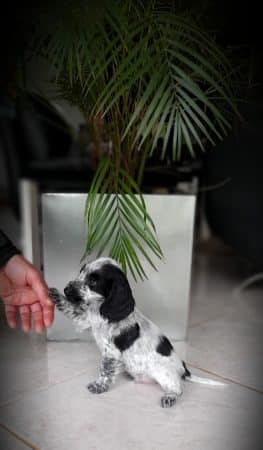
(61, 303)
(110, 368)
(75, 312)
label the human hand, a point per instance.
(24, 291)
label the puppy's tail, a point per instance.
(195, 379)
(200, 380)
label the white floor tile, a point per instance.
(43, 395)
(129, 416)
(28, 364)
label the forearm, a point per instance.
(7, 249)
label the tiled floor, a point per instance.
(44, 403)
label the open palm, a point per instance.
(24, 292)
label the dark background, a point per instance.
(234, 212)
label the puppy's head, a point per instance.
(102, 282)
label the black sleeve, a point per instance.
(7, 249)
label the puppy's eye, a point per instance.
(93, 280)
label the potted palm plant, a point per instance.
(148, 74)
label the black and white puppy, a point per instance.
(100, 298)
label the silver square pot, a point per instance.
(164, 297)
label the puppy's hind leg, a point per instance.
(110, 368)
(171, 385)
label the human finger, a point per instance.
(25, 316)
(48, 315)
(10, 313)
(39, 286)
(37, 313)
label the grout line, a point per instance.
(226, 378)
(224, 313)
(18, 437)
(201, 322)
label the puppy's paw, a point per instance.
(55, 296)
(97, 388)
(167, 401)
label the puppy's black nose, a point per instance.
(72, 292)
(69, 289)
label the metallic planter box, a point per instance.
(164, 297)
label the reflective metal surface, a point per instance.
(164, 297)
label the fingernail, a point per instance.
(49, 302)
(39, 330)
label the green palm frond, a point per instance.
(117, 220)
(157, 70)
(154, 76)
(179, 92)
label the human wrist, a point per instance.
(7, 252)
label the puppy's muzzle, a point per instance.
(72, 292)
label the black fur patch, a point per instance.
(112, 283)
(164, 347)
(187, 373)
(127, 337)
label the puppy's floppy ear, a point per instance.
(119, 301)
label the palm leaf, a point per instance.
(119, 222)
(152, 74)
